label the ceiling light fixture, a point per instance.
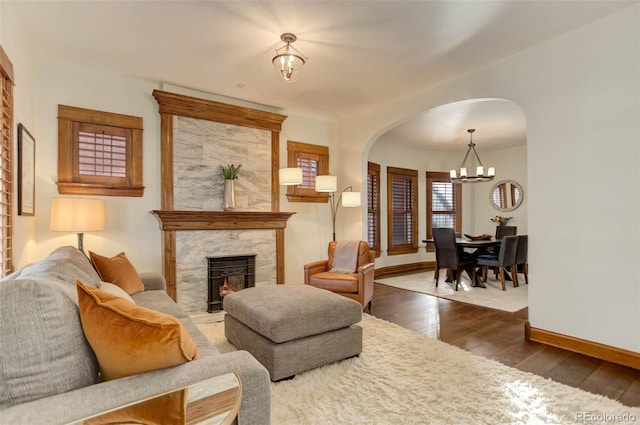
(461, 175)
(288, 60)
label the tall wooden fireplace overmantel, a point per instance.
(172, 220)
(180, 220)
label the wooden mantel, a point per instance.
(221, 220)
(172, 221)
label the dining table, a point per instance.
(479, 247)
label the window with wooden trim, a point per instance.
(314, 161)
(444, 204)
(402, 210)
(99, 153)
(373, 206)
(6, 164)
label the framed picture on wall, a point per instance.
(26, 172)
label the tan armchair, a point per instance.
(357, 286)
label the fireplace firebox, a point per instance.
(228, 274)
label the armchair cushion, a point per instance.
(335, 282)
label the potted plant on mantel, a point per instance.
(230, 174)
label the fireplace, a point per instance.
(227, 274)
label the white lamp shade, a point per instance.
(290, 176)
(350, 199)
(77, 215)
(326, 183)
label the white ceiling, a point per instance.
(362, 54)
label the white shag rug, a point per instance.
(513, 299)
(402, 377)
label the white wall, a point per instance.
(14, 43)
(581, 97)
(511, 164)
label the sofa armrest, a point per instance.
(153, 281)
(73, 406)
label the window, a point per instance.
(402, 215)
(373, 206)
(99, 153)
(314, 161)
(6, 165)
(444, 204)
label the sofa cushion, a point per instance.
(42, 348)
(128, 340)
(119, 271)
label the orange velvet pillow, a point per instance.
(129, 339)
(119, 271)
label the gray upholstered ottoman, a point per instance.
(293, 328)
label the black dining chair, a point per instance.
(521, 258)
(502, 231)
(505, 259)
(449, 256)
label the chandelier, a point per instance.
(462, 176)
(288, 60)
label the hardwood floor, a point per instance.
(499, 335)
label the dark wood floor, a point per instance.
(499, 335)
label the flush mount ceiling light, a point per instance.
(288, 60)
(461, 175)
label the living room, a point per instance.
(579, 92)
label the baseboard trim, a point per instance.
(582, 346)
(402, 268)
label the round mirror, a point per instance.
(506, 195)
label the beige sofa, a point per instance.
(49, 373)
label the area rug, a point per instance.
(513, 299)
(402, 377)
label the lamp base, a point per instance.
(80, 246)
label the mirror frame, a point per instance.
(495, 186)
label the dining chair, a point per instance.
(521, 258)
(449, 256)
(505, 259)
(502, 231)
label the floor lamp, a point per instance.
(77, 215)
(348, 198)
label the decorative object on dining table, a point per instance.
(230, 174)
(482, 237)
(502, 221)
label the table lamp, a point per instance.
(77, 215)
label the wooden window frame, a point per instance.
(394, 173)
(6, 164)
(442, 177)
(70, 181)
(299, 150)
(373, 205)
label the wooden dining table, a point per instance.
(479, 247)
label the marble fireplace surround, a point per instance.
(206, 223)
